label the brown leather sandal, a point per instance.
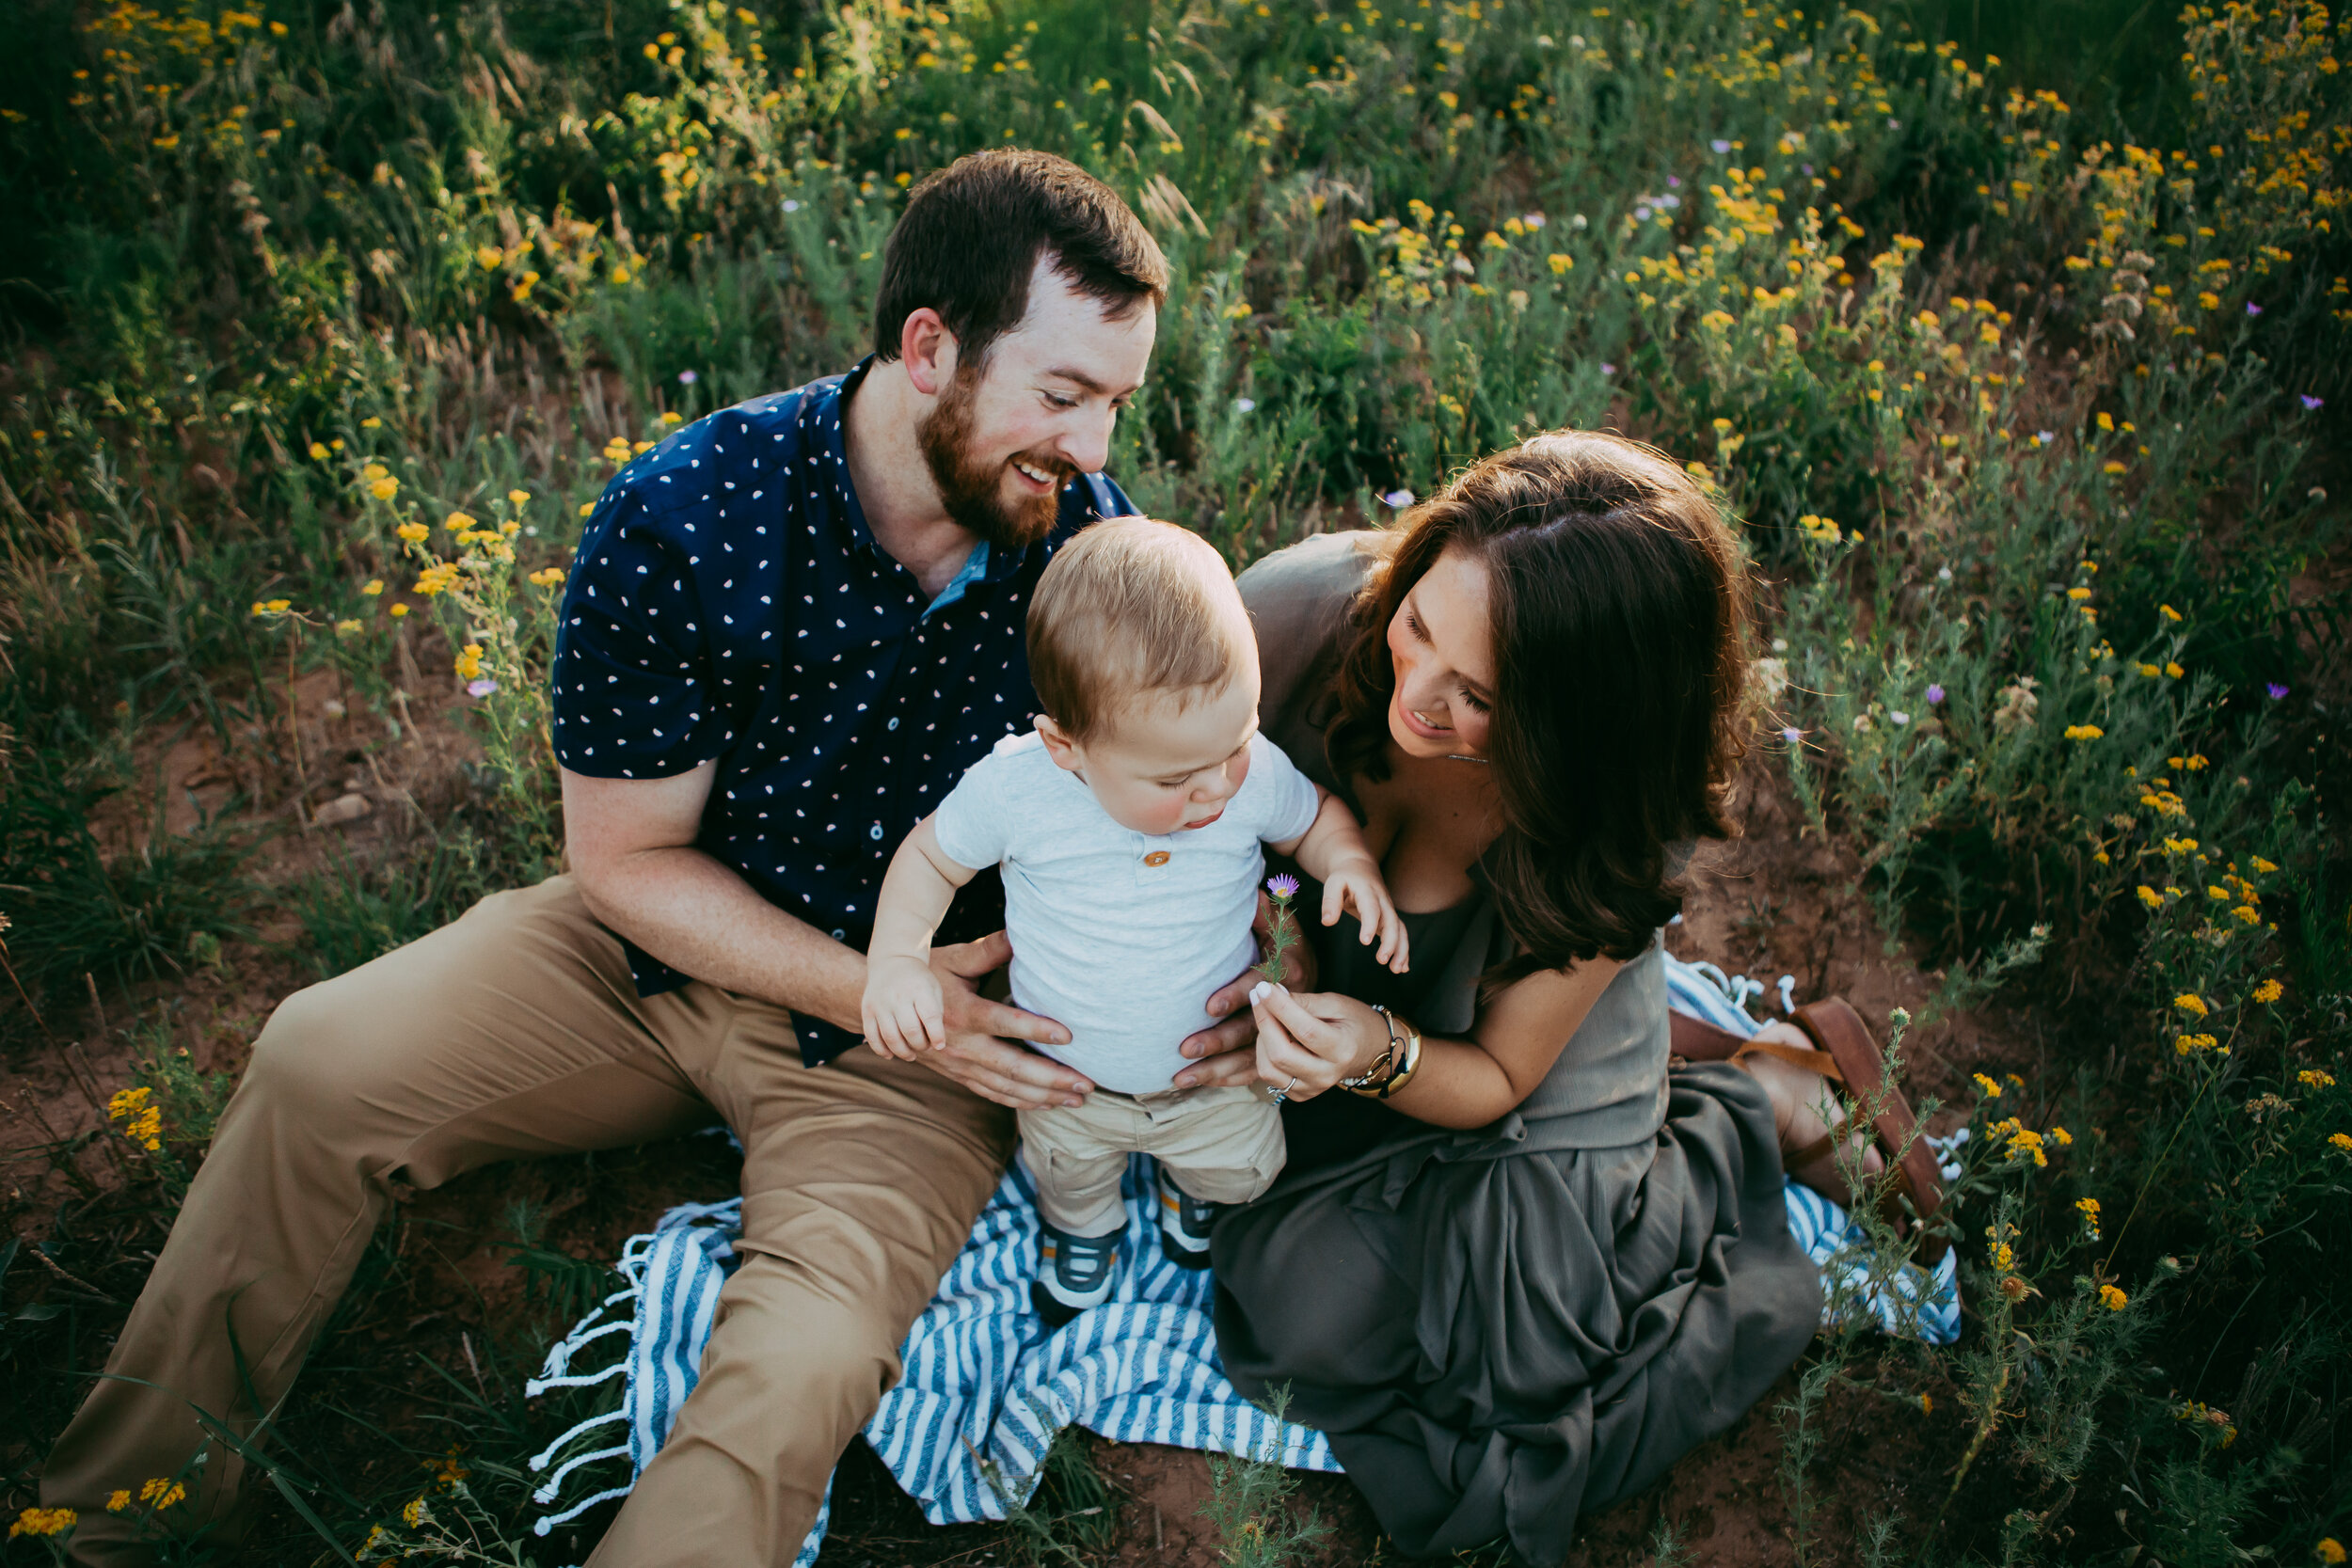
(1846, 1055)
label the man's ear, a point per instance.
(927, 350)
(1064, 751)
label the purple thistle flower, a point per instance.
(1282, 885)
(2311, 404)
(1936, 695)
(2275, 690)
(2252, 309)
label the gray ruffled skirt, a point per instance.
(1500, 1340)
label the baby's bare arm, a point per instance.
(902, 1009)
(1332, 850)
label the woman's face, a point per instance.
(1444, 649)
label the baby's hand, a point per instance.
(902, 1010)
(1359, 888)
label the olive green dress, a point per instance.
(1503, 1328)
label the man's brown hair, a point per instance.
(970, 236)
(1128, 607)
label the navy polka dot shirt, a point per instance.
(728, 604)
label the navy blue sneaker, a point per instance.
(1184, 1225)
(1073, 1273)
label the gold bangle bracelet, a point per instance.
(1373, 1079)
(1403, 1072)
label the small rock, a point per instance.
(343, 809)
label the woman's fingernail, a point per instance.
(1260, 991)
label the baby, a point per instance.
(1129, 828)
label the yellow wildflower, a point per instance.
(2191, 1003)
(413, 532)
(2268, 991)
(2316, 1078)
(399, 610)
(2113, 1299)
(2084, 732)
(457, 521)
(318, 451)
(2151, 670)
(2341, 1141)
(2264, 866)
(587, 507)
(375, 587)
(2062, 1138)
(2150, 897)
(43, 1521)
(2328, 1551)
(671, 416)
(385, 489)
(2168, 613)
(1991, 1090)
(2174, 669)
(1558, 263)
(120, 1500)
(518, 498)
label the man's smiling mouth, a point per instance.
(1038, 475)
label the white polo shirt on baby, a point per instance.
(1119, 936)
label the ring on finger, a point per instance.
(1282, 1095)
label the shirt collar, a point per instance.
(831, 417)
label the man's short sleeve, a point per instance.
(630, 682)
(1291, 801)
(974, 824)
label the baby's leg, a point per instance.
(1222, 1145)
(1076, 1155)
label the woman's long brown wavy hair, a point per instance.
(1620, 611)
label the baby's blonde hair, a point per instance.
(1129, 608)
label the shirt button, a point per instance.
(840, 935)
(874, 831)
(893, 724)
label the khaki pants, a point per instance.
(515, 1030)
(1221, 1144)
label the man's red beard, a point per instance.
(971, 486)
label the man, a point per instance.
(789, 630)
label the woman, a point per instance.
(1524, 1267)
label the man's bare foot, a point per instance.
(1805, 1106)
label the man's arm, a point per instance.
(632, 852)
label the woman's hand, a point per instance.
(1309, 1041)
(1222, 1050)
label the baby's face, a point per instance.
(1159, 770)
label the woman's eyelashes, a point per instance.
(1469, 698)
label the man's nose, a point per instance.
(1087, 447)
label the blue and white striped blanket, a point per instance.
(987, 1387)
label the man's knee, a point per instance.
(327, 1061)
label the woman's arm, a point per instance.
(1321, 1037)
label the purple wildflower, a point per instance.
(1792, 735)
(687, 378)
(1936, 695)
(1281, 885)
(2252, 309)
(1674, 182)
(1606, 369)
(2275, 690)
(481, 687)
(1720, 144)
(1399, 499)
(2311, 404)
